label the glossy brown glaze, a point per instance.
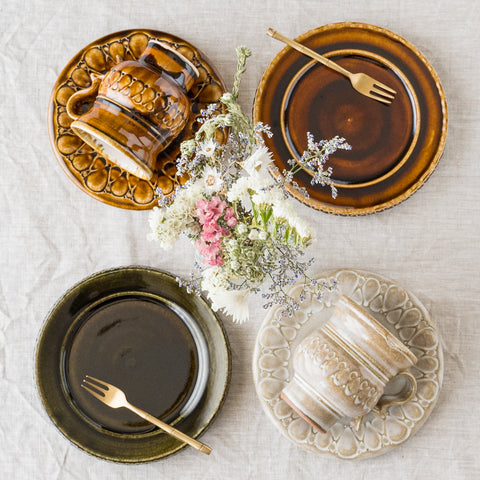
(90, 171)
(102, 322)
(140, 108)
(139, 345)
(394, 147)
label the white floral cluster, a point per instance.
(169, 222)
(243, 227)
(256, 187)
(218, 286)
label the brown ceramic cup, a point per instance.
(139, 107)
(341, 369)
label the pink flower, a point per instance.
(230, 217)
(201, 246)
(209, 245)
(211, 211)
(211, 252)
(213, 232)
(215, 262)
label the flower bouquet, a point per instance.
(248, 236)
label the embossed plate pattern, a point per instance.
(91, 172)
(399, 311)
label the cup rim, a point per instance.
(166, 46)
(392, 340)
(133, 165)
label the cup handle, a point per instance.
(81, 96)
(385, 401)
(399, 399)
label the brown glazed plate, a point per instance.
(89, 171)
(395, 147)
(136, 328)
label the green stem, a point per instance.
(242, 54)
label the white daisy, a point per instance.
(207, 148)
(233, 302)
(212, 180)
(258, 161)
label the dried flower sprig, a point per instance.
(246, 232)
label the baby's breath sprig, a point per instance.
(248, 236)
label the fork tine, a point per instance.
(382, 93)
(89, 389)
(101, 383)
(385, 87)
(374, 95)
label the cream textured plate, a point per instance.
(398, 310)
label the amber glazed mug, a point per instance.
(139, 107)
(341, 370)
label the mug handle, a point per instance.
(400, 398)
(81, 96)
(385, 401)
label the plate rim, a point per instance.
(420, 181)
(328, 273)
(49, 407)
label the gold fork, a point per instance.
(115, 398)
(361, 82)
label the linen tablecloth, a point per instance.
(53, 235)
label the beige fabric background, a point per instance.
(53, 235)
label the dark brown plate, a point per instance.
(395, 147)
(91, 172)
(135, 328)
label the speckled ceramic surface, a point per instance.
(396, 309)
(118, 324)
(90, 172)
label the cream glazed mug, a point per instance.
(341, 369)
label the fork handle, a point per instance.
(307, 51)
(170, 430)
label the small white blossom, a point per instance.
(284, 210)
(169, 222)
(268, 196)
(207, 148)
(303, 228)
(263, 235)
(253, 235)
(232, 302)
(238, 191)
(212, 180)
(258, 161)
(260, 181)
(241, 228)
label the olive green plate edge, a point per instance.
(135, 448)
